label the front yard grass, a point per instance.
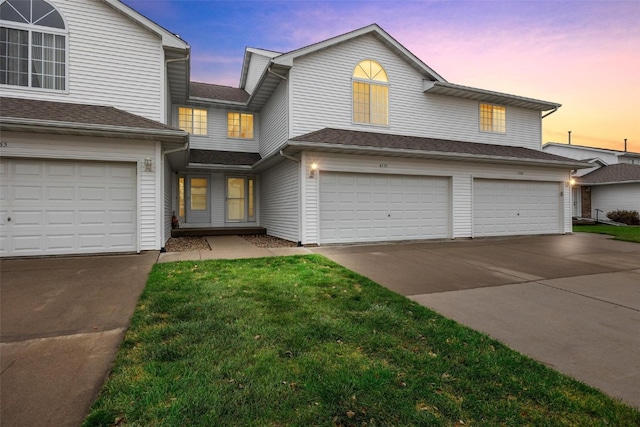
(302, 341)
(628, 234)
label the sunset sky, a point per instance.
(584, 55)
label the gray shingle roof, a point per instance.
(217, 92)
(81, 114)
(229, 158)
(389, 141)
(621, 172)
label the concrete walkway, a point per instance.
(230, 247)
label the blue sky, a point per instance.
(584, 55)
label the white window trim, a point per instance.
(253, 130)
(191, 133)
(370, 82)
(47, 30)
(494, 132)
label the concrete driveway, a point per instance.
(62, 321)
(571, 302)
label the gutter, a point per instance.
(400, 152)
(12, 123)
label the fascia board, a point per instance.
(168, 38)
(598, 184)
(450, 89)
(401, 152)
(12, 124)
(287, 58)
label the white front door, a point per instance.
(60, 207)
(358, 207)
(198, 199)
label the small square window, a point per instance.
(493, 118)
(240, 125)
(192, 120)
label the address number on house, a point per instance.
(4, 144)
(384, 165)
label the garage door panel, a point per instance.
(385, 207)
(67, 207)
(504, 208)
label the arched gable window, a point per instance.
(370, 93)
(33, 45)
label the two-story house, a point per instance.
(352, 139)
(611, 183)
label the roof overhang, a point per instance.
(373, 29)
(596, 184)
(167, 136)
(466, 92)
(169, 39)
(295, 147)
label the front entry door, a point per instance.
(198, 203)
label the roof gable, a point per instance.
(373, 29)
(169, 39)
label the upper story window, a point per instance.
(192, 120)
(240, 125)
(493, 118)
(33, 45)
(370, 93)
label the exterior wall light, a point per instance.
(572, 182)
(148, 165)
(314, 168)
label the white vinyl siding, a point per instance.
(112, 61)
(256, 69)
(461, 175)
(510, 208)
(357, 207)
(613, 197)
(37, 146)
(274, 121)
(279, 200)
(321, 90)
(217, 134)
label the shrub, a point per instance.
(625, 217)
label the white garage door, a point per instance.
(369, 207)
(54, 207)
(510, 208)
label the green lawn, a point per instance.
(301, 341)
(628, 233)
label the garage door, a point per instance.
(510, 208)
(369, 207)
(52, 207)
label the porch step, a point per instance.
(217, 231)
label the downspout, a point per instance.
(275, 74)
(550, 112)
(299, 198)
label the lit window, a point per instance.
(492, 118)
(33, 45)
(240, 125)
(370, 94)
(193, 120)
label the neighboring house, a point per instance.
(352, 139)
(612, 183)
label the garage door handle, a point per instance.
(9, 219)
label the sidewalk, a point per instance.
(230, 247)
